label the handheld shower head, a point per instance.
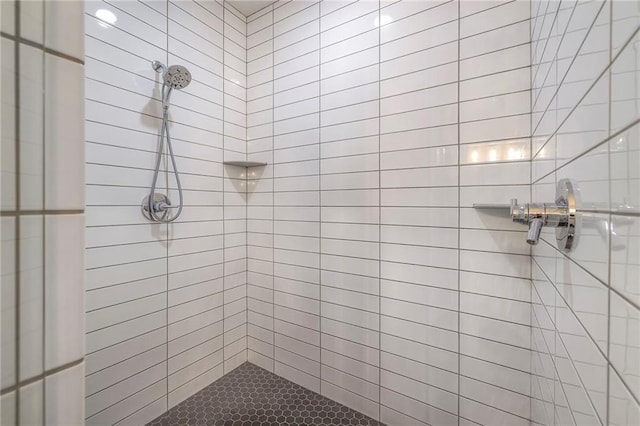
(177, 77)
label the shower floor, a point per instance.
(252, 396)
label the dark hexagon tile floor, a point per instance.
(252, 396)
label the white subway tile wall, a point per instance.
(585, 304)
(353, 263)
(166, 304)
(370, 277)
(43, 213)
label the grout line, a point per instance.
(42, 376)
(273, 338)
(27, 42)
(319, 194)
(531, 313)
(379, 220)
(224, 184)
(18, 227)
(12, 213)
(610, 237)
(458, 227)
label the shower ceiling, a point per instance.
(247, 7)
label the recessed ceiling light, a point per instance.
(107, 16)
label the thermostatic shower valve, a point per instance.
(561, 215)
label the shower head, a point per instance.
(177, 77)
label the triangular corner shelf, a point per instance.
(245, 163)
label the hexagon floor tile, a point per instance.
(252, 396)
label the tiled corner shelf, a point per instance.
(245, 163)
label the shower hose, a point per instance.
(159, 211)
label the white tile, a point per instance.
(64, 136)
(435, 57)
(427, 98)
(390, 416)
(498, 375)
(518, 358)
(624, 409)
(8, 402)
(476, 7)
(31, 129)
(31, 403)
(428, 157)
(495, 39)
(345, 13)
(496, 263)
(350, 79)
(624, 254)
(416, 409)
(8, 16)
(422, 40)
(494, 17)
(349, 63)
(9, 337)
(430, 117)
(517, 126)
(491, 285)
(502, 60)
(289, 16)
(624, 349)
(31, 296)
(32, 22)
(492, 307)
(348, 46)
(433, 17)
(342, 394)
(496, 106)
(495, 174)
(64, 396)
(295, 50)
(625, 18)
(495, 84)
(430, 77)
(297, 376)
(480, 413)
(350, 28)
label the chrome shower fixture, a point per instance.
(156, 206)
(175, 76)
(561, 214)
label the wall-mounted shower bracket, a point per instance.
(161, 205)
(561, 214)
(159, 67)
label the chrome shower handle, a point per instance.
(561, 214)
(535, 227)
(537, 215)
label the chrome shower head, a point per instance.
(177, 77)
